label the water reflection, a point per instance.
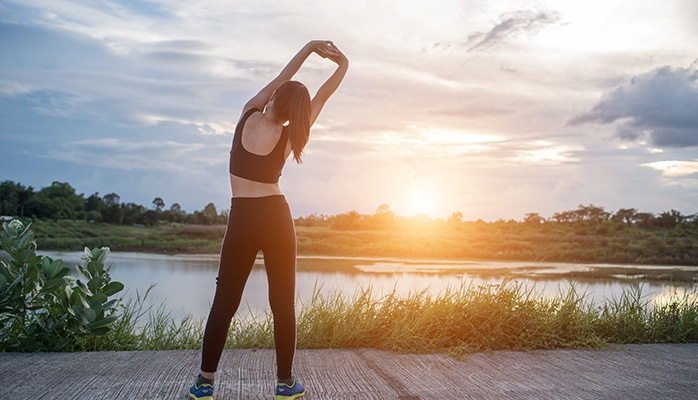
(186, 283)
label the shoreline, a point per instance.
(483, 268)
(438, 242)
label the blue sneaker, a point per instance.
(285, 392)
(201, 392)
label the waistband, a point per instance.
(258, 201)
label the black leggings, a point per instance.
(255, 224)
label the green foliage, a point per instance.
(41, 306)
(141, 327)
(61, 202)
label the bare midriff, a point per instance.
(246, 188)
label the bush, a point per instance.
(42, 308)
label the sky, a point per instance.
(493, 109)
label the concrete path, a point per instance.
(631, 372)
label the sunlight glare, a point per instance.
(421, 203)
(451, 136)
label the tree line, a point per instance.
(59, 201)
(586, 219)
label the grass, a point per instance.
(142, 327)
(459, 321)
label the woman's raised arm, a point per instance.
(332, 83)
(321, 47)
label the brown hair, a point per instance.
(292, 104)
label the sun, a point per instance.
(421, 202)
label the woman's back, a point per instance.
(260, 148)
(260, 136)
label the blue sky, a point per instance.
(490, 108)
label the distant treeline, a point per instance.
(64, 220)
(589, 219)
(587, 234)
(60, 201)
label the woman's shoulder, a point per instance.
(248, 113)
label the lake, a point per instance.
(186, 283)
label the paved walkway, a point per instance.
(631, 372)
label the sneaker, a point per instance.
(285, 392)
(201, 392)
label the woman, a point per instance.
(274, 123)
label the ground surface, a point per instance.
(631, 372)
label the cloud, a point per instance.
(511, 25)
(127, 155)
(12, 88)
(675, 168)
(659, 105)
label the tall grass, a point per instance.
(141, 326)
(506, 316)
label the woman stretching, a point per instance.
(274, 123)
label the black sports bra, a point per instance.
(265, 169)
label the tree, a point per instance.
(670, 219)
(133, 214)
(66, 203)
(42, 207)
(13, 197)
(383, 209)
(591, 213)
(564, 217)
(456, 216)
(210, 213)
(644, 219)
(625, 215)
(159, 204)
(174, 214)
(533, 219)
(150, 217)
(112, 199)
(94, 203)
(112, 213)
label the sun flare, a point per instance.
(421, 202)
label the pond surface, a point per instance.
(186, 283)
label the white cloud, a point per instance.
(674, 169)
(510, 25)
(13, 88)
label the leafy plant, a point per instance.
(42, 307)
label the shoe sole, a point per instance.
(200, 398)
(295, 396)
(290, 397)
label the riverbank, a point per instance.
(436, 241)
(666, 371)
(461, 320)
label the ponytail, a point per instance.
(299, 126)
(292, 103)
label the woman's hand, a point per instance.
(323, 48)
(336, 55)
